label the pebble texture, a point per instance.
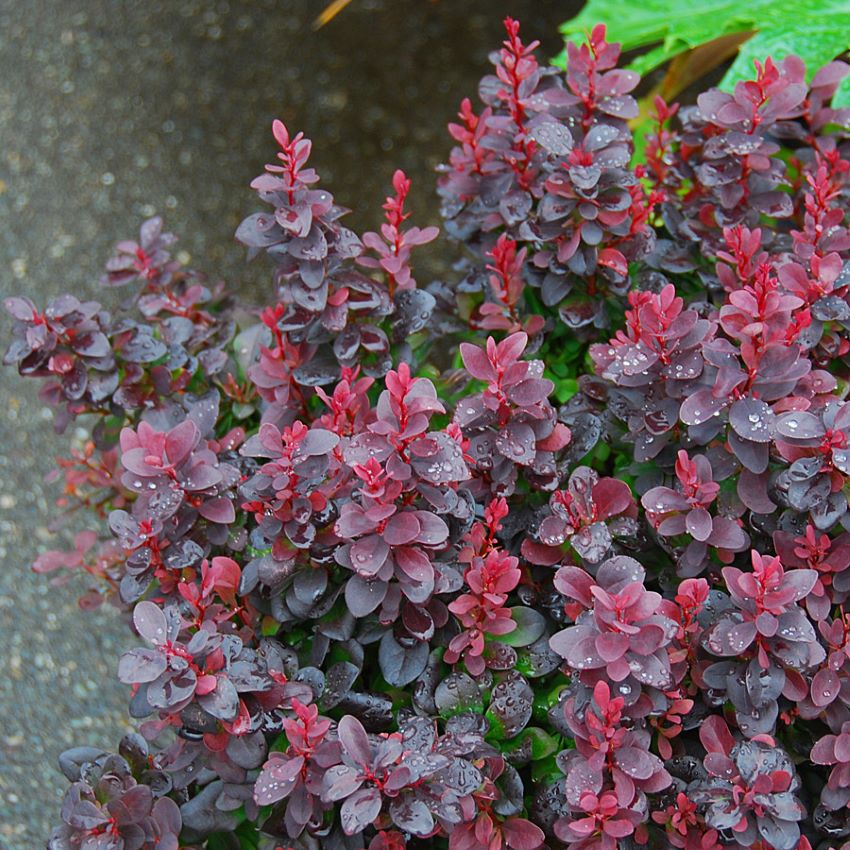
(112, 111)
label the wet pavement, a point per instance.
(114, 111)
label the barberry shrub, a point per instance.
(553, 554)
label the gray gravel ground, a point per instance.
(111, 111)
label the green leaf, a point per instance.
(565, 389)
(530, 626)
(546, 771)
(815, 30)
(543, 744)
(841, 98)
(816, 43)
(280, 744)
(242, 411)
(544, 700)
(672, 25)
(249, 835)
(270, 627)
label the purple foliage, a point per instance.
(588, 591)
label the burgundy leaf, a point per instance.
(353, 738)
(359, 810)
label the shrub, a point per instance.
(579, 583)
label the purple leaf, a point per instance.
(150, 622)
(700, 407)
(369, 554)
(476, 362)
(317, 441)
(433, 530)
(339, 782)
(698, 524)
(554, 137)
(592, 542)
(522, 834)
(223, 701)
(510, 705)
(636, 763)
(727, 534)
(363, 596)
(800, 425)
(412, 815)
(141, 665)
(354, 739)
(400, 665)
(752, 420)
(517, 442)
(612, 646)
(401, 529)
(277, 779)
(359, 810)
(730, 638)
(219, 510)
(577, 646)
(825, 687)
(529, 392)
(457, 693)
(20, 308)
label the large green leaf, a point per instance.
(842, 96)
(815, 30)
